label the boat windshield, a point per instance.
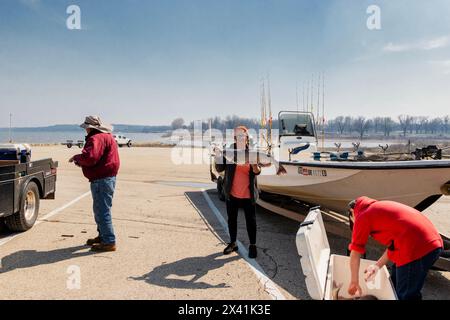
(296, 124)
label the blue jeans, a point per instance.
(409, 279)
(102, 195)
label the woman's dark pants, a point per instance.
(233, 206)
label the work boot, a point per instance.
(103, 247)
(252, 251)
(91, 242)
(230, 248)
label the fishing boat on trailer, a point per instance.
(332, 179)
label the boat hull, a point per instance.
(415, 183)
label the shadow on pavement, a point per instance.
(277, 252)
(31, 258)
(195, 267)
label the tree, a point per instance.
(436, 125)
(378, 124)
(420, 124)
(178, 123)
(388, 125)
(446, 120)
(340, 123)
(348, 124)
(412, 124)
(405, 123)
(361, 125)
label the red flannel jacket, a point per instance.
(100, 156)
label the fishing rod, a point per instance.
(323, 110)
(269, 144)
(318, 101)
(312, 93)
(307, 97)
(263, 111)
(303, 105)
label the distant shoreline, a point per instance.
(135, 145)
(122, 128)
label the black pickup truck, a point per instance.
(22, 185)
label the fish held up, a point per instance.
(337, 288)
(249, 156)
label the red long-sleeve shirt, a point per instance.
(100, 157)
(407, 233)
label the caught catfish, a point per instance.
(337, 288)
(249, 156)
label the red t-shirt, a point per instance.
(241, 182)
(407, 233)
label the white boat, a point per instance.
(333, 183)
(332, 180)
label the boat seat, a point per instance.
(301, 148)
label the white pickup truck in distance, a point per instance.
(122, 140)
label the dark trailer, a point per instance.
(22, 186)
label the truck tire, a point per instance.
(69, 145)
(29, 210)
(129, 144)
(220, 190)
(80, 145)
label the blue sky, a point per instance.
(149, 61)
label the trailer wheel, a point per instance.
(29, 210)
(2, 225)
(69, 145)
(220, 190)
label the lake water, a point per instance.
(36, 137)
(59, 137)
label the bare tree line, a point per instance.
(404, 125)
(222, 124)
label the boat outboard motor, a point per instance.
(431, 151)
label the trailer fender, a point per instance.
(18, 196)
(38, 183)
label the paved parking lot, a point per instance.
(169, 241)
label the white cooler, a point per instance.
(322, 268)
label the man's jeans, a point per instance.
(409, 279)
(102, 194)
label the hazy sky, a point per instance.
(149, 61)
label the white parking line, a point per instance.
(268, 284)
(48, 215)
(64, 207)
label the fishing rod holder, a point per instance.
(384, 148)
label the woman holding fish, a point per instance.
(240, 188)
(413, 244)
